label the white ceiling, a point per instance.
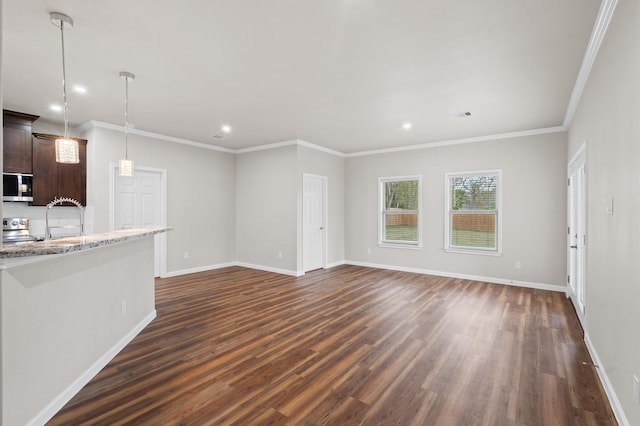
(343, 74)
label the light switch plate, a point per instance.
(610, 206)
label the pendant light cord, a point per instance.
(64, 84)
(126, 117)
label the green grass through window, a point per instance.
(463, 238)
(401, 233)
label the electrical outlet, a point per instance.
(518, 264)
(123, 308)
(636, 389)
(279, 255)
(186, 255)
(369, 251)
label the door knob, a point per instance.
(575, 247)
(321, 228)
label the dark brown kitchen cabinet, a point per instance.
(51, 179)
(16, 148)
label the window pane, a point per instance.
(473, 192)
(401, 194)
(473, 230)
(400, 226)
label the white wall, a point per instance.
(266, 196)
(608, 119)
(63, 314)
(534, 208)
(200, 194)
(315, 162)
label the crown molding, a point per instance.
(605, 14)
(267, 146)
(299, 142)
(102, 125)
(533, 132)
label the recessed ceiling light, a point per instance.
(226, 128)
(406, 125)
(80, 89)
(55, 107)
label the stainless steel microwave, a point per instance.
(17, 187)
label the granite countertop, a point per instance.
(72, 244)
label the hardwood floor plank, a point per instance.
(347, 346)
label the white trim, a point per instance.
(299, 142)
(581, 151)
(479, 251)
(606, 383)
(400, 246)
(493, 280)
(161, 238)
(180, 272)
(334, 264)
(275, 145)
(321, 148)
(58, 402)
(270, 269)
(436, 144)
(605, 14)
(99, 124)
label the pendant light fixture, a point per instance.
(126, 165)
(67, 150)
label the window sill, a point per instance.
(401, 246)
(478, 252)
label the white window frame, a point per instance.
(381, 212)
(447, 214)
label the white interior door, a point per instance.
(313, 227)
(138, 203)
(577, 232)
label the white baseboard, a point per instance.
(228, 264)
(606, 384)
(270, 269)
(334, 264)
(197, 269)
(57, 403)
(493, 280)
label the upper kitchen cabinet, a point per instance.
(51, 179)
(16, 149)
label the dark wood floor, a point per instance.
(349, 345)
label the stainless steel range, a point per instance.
(16, 230)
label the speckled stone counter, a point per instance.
(73, 244)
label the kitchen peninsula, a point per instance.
(69, 305)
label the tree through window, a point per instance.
(400, 211)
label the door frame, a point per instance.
(325, 217)
(160, 239)
(578, 162)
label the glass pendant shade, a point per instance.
(126, 167)
(67, 151)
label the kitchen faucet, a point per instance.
(57, 201)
